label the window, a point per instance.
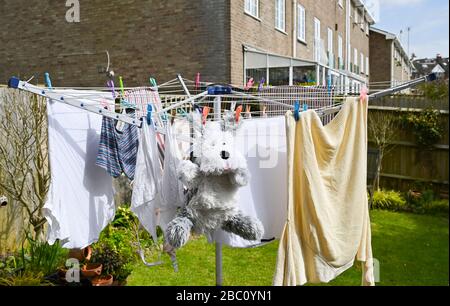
(356, 15)
(340, 52)
(367, 65)
(355, 59)
(280, 15)
(330, 48)
(317, 50)
(301, 23)
(362, 23)
(367, 28)
(362, 62)
(341, 3)
(330, 40)
(252, 7)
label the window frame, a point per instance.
(278, 14)
(249, 12)
(317, 40)
(362, 62)
(340, 49)
(301, 22)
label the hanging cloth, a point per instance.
(328, 222)
(80, 201)
(118, 149)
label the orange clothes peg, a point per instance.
(206, 111)
(238, 113)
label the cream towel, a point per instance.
(328, 222)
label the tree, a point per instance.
(23, 154)
(383, 126)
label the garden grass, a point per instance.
(411, 249)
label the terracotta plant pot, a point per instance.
(101, 281)
(81, 254)
(91, 270)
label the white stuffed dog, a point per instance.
(215, 176)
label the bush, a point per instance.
(437, 207)
(388, 200)
(427, 203)
(115, 250)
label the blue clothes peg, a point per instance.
(48, 82)
(297, 111)
(329, 83)
(153, 82)
(305, 107)
(149, 114)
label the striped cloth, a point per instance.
(118, 150)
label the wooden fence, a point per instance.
(406, 166)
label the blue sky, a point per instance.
(428, 19)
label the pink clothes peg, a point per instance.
(197, 81)
(363, 94)
(249, 84)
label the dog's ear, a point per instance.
(229, 122)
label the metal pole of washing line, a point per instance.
(219, 263)
(217, 108)
(217, 113)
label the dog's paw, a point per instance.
(178, 232)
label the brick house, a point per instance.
(425, 66)
(390, 62)
(282, 41)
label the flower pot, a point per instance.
(101, 281)
(91, 270)
(81, 254)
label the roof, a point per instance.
(394, 38)
(425, 66)
(369, 13)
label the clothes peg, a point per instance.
(305, 107)
(122, 89)
(363, 94)
(48, 82)
(297, 110)
(329, 83)
(149, 114)
(153, 82)
(205, 114)
(238, 113)
(248, 113)
(197, 81)
(249, 84)
(261, 84)
(264, 114)
(110, 84)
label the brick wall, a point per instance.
(144, 38)
(258, 33)
(261, 32)
(380, 58)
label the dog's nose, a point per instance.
(225, 155)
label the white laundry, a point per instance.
(265, 197)
(172, 188)
(156, 193)
(80, 201)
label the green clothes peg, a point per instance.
(122, 89)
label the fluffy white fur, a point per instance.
(215, 176)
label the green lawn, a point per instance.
(411, 249)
